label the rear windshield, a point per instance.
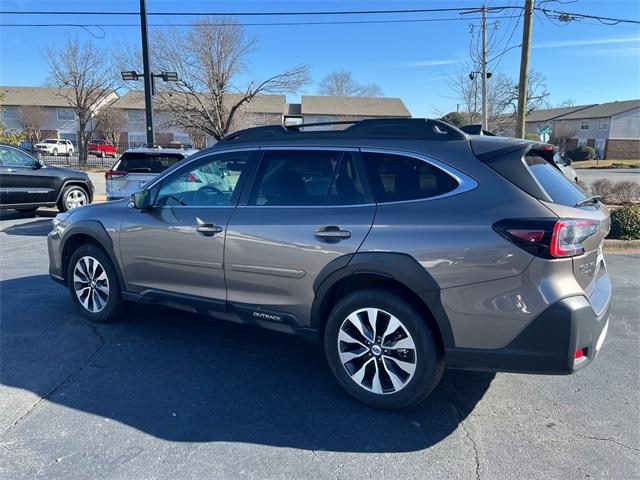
(560, 189)
(138, 162)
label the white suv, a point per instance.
(55, 147)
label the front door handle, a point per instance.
(332, 232)
(207, 229)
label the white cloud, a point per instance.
(429, 63)
(586, 42)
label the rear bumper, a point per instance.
(547, 345)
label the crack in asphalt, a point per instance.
(579, 435)
(467, 434)
(69, 378)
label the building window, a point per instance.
(137, 140)
(585, 125)
(135, 116)
(10, 112)
(72, 137)
(603, 124)
(65, 114)
(182, 138)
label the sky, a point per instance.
(582, 60)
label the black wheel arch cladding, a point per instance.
(399, 267)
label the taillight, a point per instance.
(568, 235)
(548, 238)
(114, 174)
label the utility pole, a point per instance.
(523, 85)
(483, 71)
(148, 106)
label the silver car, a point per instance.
(137, 166)
(404, 246)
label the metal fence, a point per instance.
(93, 160)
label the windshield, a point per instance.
(51, 141)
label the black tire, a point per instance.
(429, 365)
(27, 210)
(54, 152)
(113, 305)
(62, 206)
(70, 152)
(102, 155)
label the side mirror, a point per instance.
(567, 161)
(36, 165)
(141, 200)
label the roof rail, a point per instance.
(410, 128)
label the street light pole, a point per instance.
(148, 106)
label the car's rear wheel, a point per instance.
(381, 350)
(72, 197)
(93, 283)
(70, 152)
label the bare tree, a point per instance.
(32, 118)
(502, 98)
(85, 79)
(567, 102)
(340, 83)
(563, 131)
(210, 58)
(111, 122)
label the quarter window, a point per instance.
(210, 182)
(307, 178)
(396, 178)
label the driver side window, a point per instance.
(209, 182)
(13, 157)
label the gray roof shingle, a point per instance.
(134, 100)
(357, 106)
(552, 113)
(38, 96)
(603, 110)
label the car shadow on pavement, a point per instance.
(9, 214)
(37, 228)
(188, 378)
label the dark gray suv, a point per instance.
(405, 246)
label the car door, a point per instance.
(176, 248)
(307, 207)
(23, 179)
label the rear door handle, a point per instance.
(207, 229)
(332, 232)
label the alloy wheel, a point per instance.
(377, 351)
(91, 284)
(75, 198)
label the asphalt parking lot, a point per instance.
(166, 394)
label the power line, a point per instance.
(222, 24)
(256, 14)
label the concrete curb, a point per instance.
(621, 245)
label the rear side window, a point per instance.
(558, 187)
(307, 178)
(397, 178)
(138, 162)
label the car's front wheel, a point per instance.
(381, 350)
(93, 283)
(54, 152)
(72, 197)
